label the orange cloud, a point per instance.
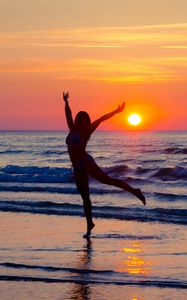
(96, 36)
(145, 54)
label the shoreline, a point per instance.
(48, 254)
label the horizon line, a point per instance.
(101, 130)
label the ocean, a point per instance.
(134, 250)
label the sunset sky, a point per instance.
(103, 52)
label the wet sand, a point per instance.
(45, 257)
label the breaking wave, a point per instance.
(160, 215)
(35, 174)
(175, 150)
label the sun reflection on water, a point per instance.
(136, 298)
(135, 263)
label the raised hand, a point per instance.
(120, 108)
(66, 96)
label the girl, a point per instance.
(83, 163)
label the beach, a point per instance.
(43, 256)
(134, 252)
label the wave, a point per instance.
(53, 152)
(126, 236)
(54, 269)
(36, 174)
(72, 190)
(118, 169)
(54, 189)
(153, 160)
(176, 284)
(169, 196)
(168, 173)
(171, 173)
(122, 160)
(27, 174)
(77, 276)
(141, 170)
(175, 150)
(32, 170)
(9, 151)
(160, 215)
(169, 150)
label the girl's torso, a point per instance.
(76, 142)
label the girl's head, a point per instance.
(82, 119)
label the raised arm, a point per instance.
(97, 122)
(68, 112)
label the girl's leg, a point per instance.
(81, 180)
(96, 172)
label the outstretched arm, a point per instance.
(97, 122)
(68, 112)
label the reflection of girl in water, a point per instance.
(83, 164)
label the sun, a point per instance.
(134, 119)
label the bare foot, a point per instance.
(139, 195)
(89, 229)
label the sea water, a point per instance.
(36, 179)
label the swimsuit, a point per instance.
(73, 138)
(76, 140)
(83, 164)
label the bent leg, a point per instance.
(96, 172)
(81, 180)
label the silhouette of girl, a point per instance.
(83, 163)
